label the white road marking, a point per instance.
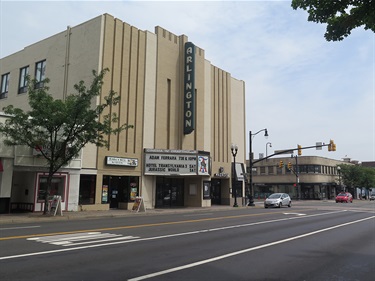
(297, 214)
(75, 239)
(72, 237)
(194, 264)
(19, 227)
(102, 241)
(160, 237)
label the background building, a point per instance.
(166, 158)
(310, 177)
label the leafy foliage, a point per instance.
(61, 128)
(341, 16)
(357, 176)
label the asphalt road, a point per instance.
(310, 241)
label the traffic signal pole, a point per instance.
(331, 147)
(297, 180)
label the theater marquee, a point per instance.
(176, 162)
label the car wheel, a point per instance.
(290, 204)
(280, 204)
(337, 201)
(265, 207)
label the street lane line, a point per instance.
(194, 264)
(148, 225)
(19, 227)
(158, 237)
(297, 214)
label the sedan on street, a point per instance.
(344, 197)
(278, 200)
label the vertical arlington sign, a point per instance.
(189, 89)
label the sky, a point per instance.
(300, 87)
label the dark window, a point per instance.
(119, 189)
(279, 170)
(262, 170)
(318, 169)
(87, 187)
(302, 168)
(4, 85)
(169, 192)
(40, 74)
(23, 81)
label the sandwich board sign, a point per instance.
(56, 205)
(139, 205)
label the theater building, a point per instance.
(186, 113)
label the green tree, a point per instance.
(367, 179)
(61, 128)
(355, 176)
(341, 16)
(350, 175)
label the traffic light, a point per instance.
(331, 146)
(281, 164)
(289, 166)
(299, 150)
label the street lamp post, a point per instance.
(339, 171)
(251, 135)
(270, 145)
(234, 149)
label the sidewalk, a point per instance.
(79, 215)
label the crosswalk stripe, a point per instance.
(80, 238)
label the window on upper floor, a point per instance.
(279, 171)
(302, 168)
(22, 87)
(318, 169)
(40, 73)
(271, 170)
(4, 85)
(262, 170)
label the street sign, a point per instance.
(283, 151)
(318, 146)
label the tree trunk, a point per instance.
(49, 183)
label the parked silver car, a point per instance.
(278, 200)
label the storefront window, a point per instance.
(117, 189)
(87, 187)
(57, 187)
